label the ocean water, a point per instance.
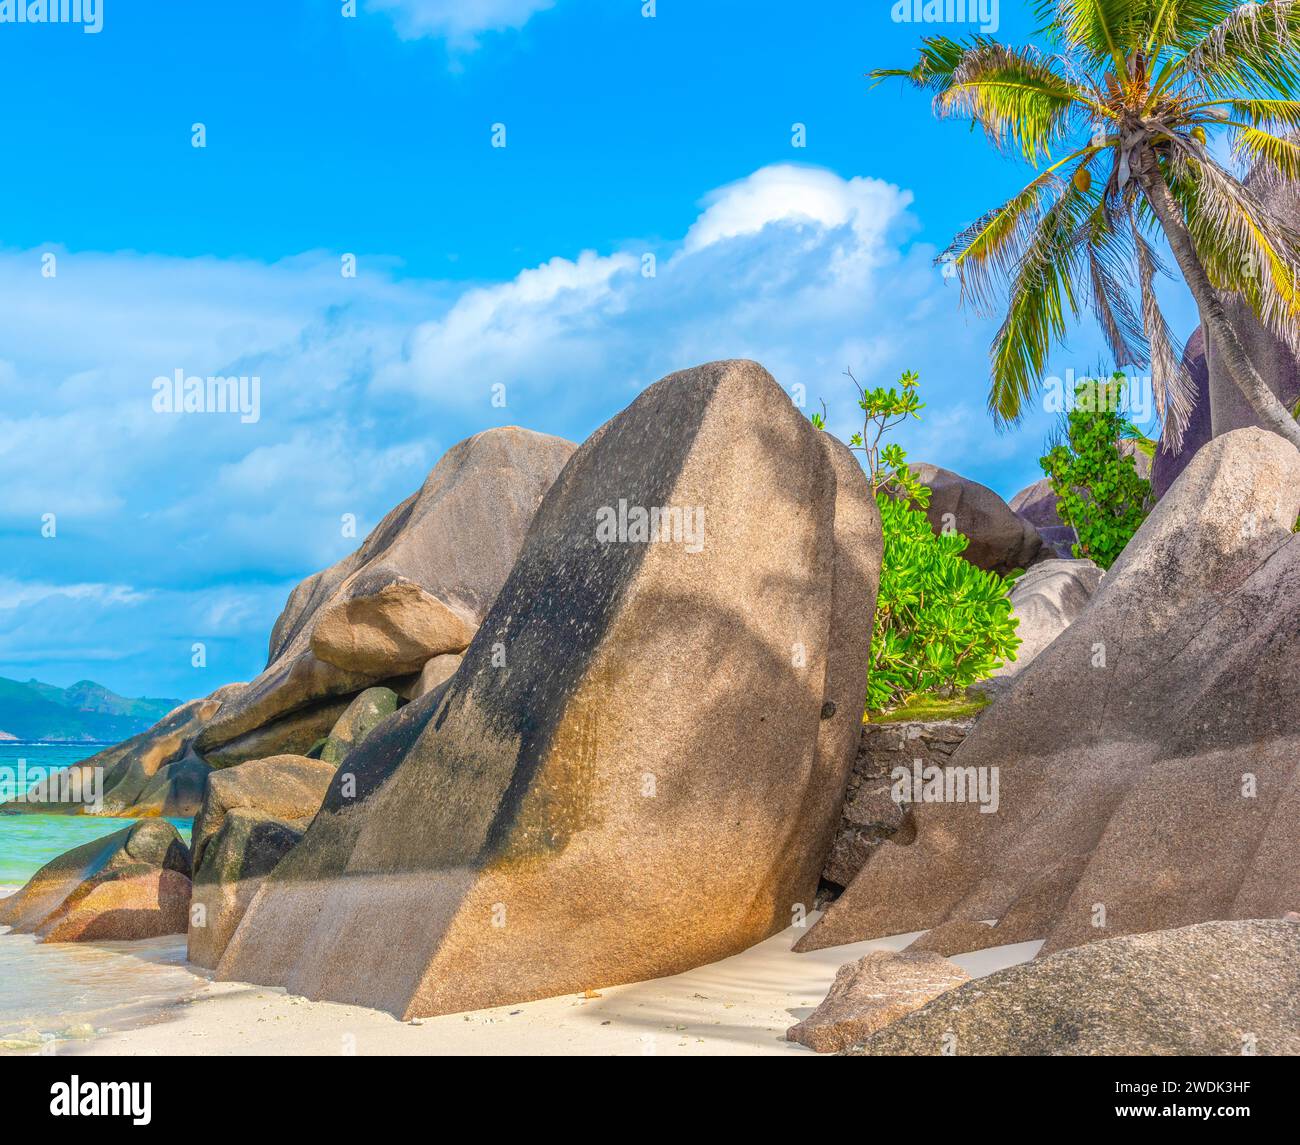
(28, 842)
(54, 995)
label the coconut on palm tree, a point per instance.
(1120, 121)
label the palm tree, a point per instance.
(1131, 97)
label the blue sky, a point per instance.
(371, 135)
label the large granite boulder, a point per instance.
(131, 884)
(1147, 759)
(153, 773)
(1000, 540)
(638, 767)
(1046, 601)
(1218, 988)
(1169, 463)
(868, 994)
(416, 588)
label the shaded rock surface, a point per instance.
(957, 938)
(1217, 988)
(869, 994)
(1168, 463)
(72, 897)
(668, 737)
(246, 847)
(1046, 601)
(1000, 540)
(417, 587)
(1148, 756)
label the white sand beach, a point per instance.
(741, 1005)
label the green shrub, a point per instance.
(941, 624)
(1098, 490)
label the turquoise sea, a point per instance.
(58, 995)
(28, 842)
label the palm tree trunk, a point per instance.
(1266, 404)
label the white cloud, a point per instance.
(366, 381)
(460, 22)
(811, 196)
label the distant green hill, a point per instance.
(86, 711)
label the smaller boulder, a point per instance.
(283, 787)
(363, 715)
(436, 672)
(1000, 541)
(869, 994)
(294, 734)
(69, 899)
(1046, 601)
(1036, 503)
(392, 631)
(138, 902)
(1217, 988)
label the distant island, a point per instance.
(84, 713)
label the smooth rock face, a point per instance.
(1147, 758)
(364, 714)
(140, 775)
(417, 587)
(1219, 988)
(1046, 601)
(1000, 540)
(1168, 463)
(284, 786)
(1036, 503)
(392, 632)
(869, 994)
(957, 938)
(639, 733)
(69, 898)
(246, 848)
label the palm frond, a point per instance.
(1255, 49)
(1017, 95)
(1247, 247)
(1171, 383)
(1041, 297)
(938, 59)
